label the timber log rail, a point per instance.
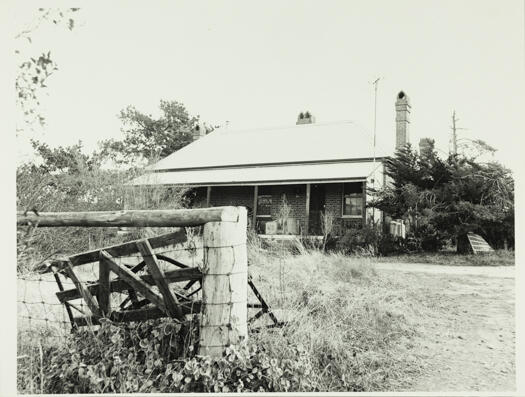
(222, 280)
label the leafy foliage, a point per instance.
(66, 179)
(34, 71)
(149, 138)
(160, 356)
(445, 199)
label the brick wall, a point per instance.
(295, 197)
(232, 195)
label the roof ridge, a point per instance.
(281, 127)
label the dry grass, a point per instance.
(357, 325)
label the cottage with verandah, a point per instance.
(314, 167)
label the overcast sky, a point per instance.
(260, 65)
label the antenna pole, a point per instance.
(375, 115)
(454, 135)
(375, 127)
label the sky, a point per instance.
(259, 64)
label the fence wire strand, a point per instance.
(43, 320)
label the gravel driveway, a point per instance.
(468, 343)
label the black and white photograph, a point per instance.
(263, 197)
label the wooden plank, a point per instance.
(103, 293)
(478, 243)
(84, 292)
(190, 284)
(308, 188)
(130, 218)
(120, 285)
(265, 306)
(124, 249)
(134, 281)
(129, 248)
(194, 292)
(132, 296)
(66, 304)
(171, 260)
(143, 314)
(257, 315)
(172, 304)
(255, 200)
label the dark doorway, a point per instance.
(317, 205)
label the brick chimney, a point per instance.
(305, 118)
(426, 145)
(199, 131)
(402, 120)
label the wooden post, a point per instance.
(208, 196)
(307, 208)
(224, 285)
(255, 199)
(364, 203)
(103, 295)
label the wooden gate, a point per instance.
(142, 302)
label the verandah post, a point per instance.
(224, 285)
(307, 210)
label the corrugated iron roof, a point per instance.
(325, 151)
(270, 175)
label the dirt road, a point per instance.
(468, 342)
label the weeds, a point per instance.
(347, 329)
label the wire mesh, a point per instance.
(42, 320)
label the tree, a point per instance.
(148, 138)
(34, 70)
(446, 199)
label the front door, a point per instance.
(317, 205)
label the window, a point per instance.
(353, 199)
(264, 205)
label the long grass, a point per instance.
(356, 325)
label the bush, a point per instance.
(357, 240)
(430, 238)
(371, 240)
(159, 356)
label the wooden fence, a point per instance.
(223, 278)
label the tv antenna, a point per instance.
(375, 83)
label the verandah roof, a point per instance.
(269, 175)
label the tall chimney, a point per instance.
(402, 120)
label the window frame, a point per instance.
(271, 200)
(359, 195)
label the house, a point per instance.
(314, 168)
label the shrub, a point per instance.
(357, 240)
(160, 356)
(431, 239)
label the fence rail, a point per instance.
(130, 218)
